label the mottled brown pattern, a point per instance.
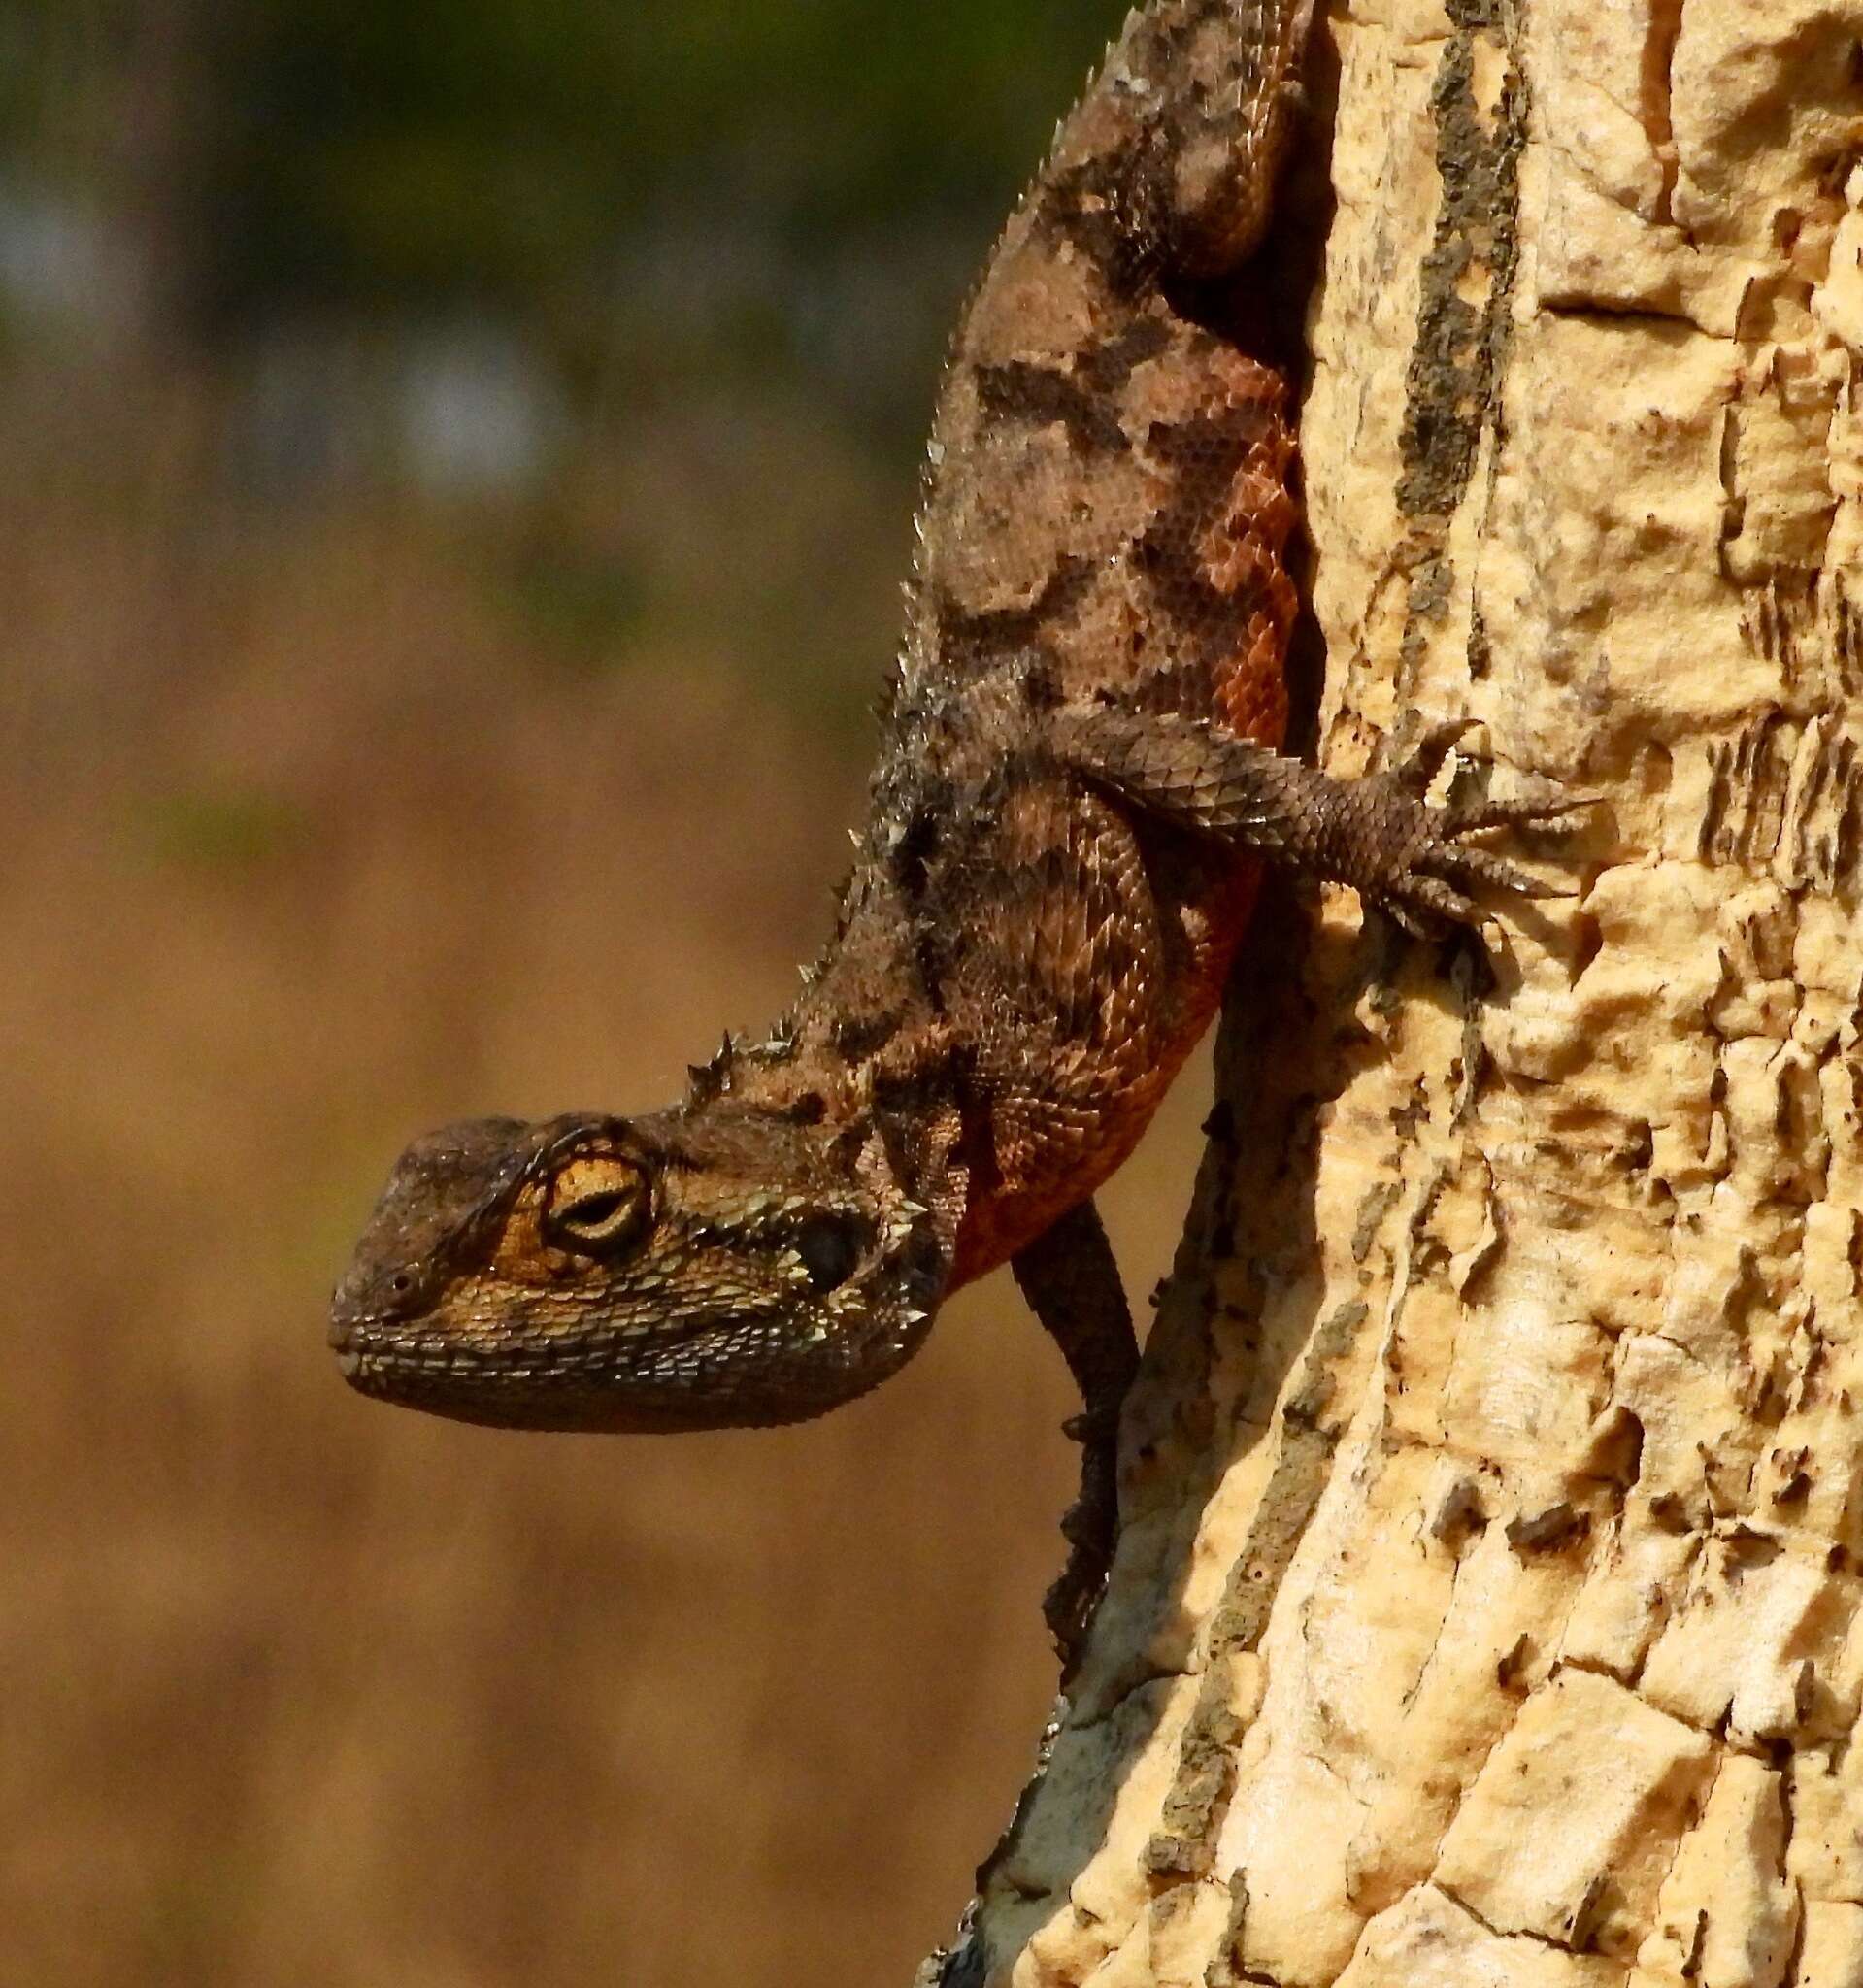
(1075, 785)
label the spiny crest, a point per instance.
(707, 1081)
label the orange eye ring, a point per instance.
(596, 1204)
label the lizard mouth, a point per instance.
(360, 1353)
(562, 1380)
(609, 1380)
(551, 1389)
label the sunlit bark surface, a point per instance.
(1487, 1607)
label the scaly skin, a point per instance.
(1077, 784)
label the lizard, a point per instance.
(1078, 786)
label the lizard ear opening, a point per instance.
(596, 1204)
(830, 1248)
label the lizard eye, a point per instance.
(597, 1205)
(829, 1251)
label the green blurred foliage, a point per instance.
(500, 150)
(580, 605)
(333, 153)
(219, 829)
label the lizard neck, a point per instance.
(866, 1053)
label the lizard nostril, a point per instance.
(400, 1291)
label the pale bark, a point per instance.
(1487, 1604)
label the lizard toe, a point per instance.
(1423, 761)
(1468, 818)
(1422, 902)
(1455, 859)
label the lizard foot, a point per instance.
(1413, 860)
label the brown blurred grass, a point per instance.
(310, 844)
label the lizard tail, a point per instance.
(1181, 138)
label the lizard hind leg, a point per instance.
(1378, 834)
(1072, 1283)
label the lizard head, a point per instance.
(709, 1266)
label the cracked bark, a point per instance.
(1486, 1609)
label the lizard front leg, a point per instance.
(1378, 833)
(1072, 1283)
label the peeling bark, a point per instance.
(1486, 1610)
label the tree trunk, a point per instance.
(1486, 1610)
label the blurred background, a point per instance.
(457, 472)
